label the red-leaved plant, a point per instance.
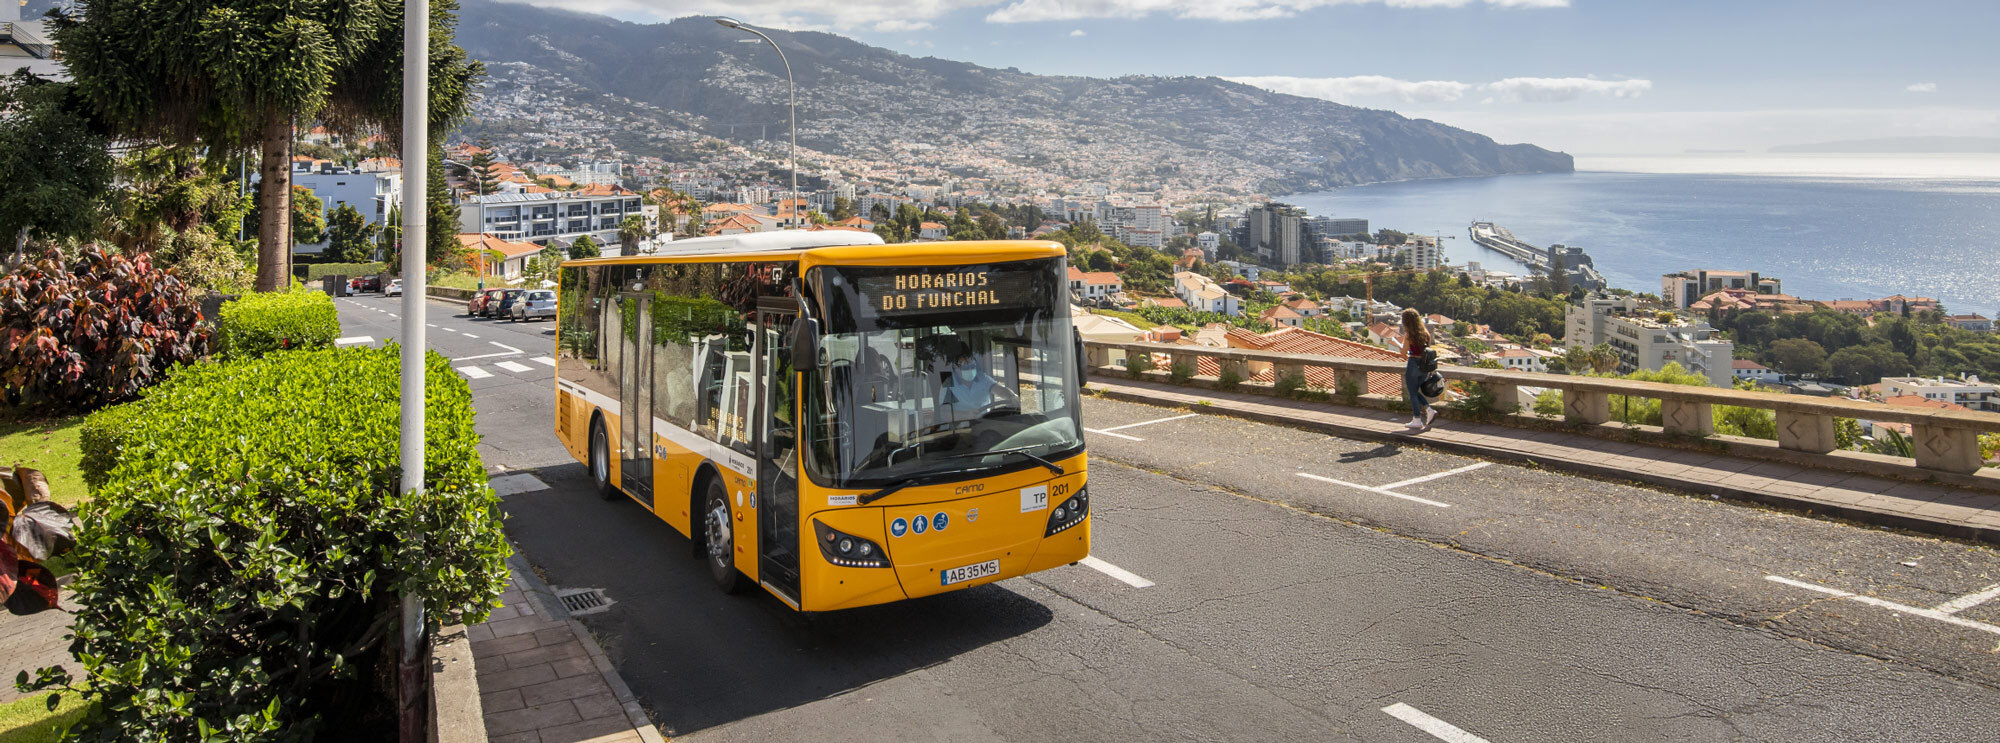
(82, 334)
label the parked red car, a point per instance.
(483, 303)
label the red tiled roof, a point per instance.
(1747, 364)
(1296, 340)
(1919, 401)
(1100, 277)
(1075, 275)
(483, 241)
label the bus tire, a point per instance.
(600, 459)
(718, 531)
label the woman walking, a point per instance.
(1416, 340)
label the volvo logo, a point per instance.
(971, 515)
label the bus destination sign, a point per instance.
(945, 289)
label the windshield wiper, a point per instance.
(1021, 450)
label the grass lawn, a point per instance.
(28, 719)
(46, 444)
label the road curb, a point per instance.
(1937, 527)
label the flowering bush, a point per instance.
(82, 334)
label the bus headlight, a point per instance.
(847, 550)
(1070, 513)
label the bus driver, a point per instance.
(967, 388)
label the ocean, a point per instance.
(1829, 227)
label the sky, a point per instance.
(1588, 77)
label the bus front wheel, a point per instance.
(720, 531)
(600, 460)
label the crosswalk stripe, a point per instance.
(473, 372)
(513, 367)
(544, 360)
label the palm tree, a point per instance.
(239, 75)
(630, 231)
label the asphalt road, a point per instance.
(1287, 586)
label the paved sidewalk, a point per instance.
(1936, 509)
(542, 679)
(32, 642)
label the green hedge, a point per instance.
(102, 435)
(317, 271)
(241, 562)
(258, 324)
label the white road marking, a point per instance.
(474, 372)
(430, 325)
(514, 366)
(1382, 490)
(511, 351)
(544, 360)
(1119, 435)
(1970, 600)
(392, 314)
(1146, 423)
(1941, 616)
(519, 482)
(353, 340)
(1428, 478)
(1126, 576)
(469, 335)
(1438, 729)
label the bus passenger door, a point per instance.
(635, 389)
(777, 454)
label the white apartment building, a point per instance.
(1643, 341)
(1520, 359)
(1755, 372)
(1683, 288)
(1425, 255)
(1203, 295)
(372, 194)
(542, 217)
(1968, 391)
(1209, 242)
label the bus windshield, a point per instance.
(935, 371)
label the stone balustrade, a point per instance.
(1945, 442)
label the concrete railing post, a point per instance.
(1283, 369)
(1506, 397)
(1345, 379)
(1807, 432)
(1586, 406)
(1235, 366)
(1946, 448)
(1179, 357)
(1687, 417)
(1099, 356)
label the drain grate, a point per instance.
(584, 600)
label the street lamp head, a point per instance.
(727, 22)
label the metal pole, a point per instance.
(794, 86)
(413, 717)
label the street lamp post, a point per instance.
(413, 723)
(738, 25)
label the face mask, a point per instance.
(966, 375)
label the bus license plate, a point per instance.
(969, 572)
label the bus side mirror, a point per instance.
(1082, 364)
(805, 343)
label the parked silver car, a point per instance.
(538, 303)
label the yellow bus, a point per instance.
(842, 422)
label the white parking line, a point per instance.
(1109, 431)
(353, 340)
(1942, 616)
(473, 372)
(513, 366)
(544, 360)
(1970, 600)
(1146, 423)
(1428, 478)
(1114, 571)
(1383, 490)
(1438, 729)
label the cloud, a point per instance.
(1025, 11)
(1922, 88)
(1559, 89)
(1077, 33)
(900, 25)
(1344, 89)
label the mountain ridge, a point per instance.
(861, 101)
